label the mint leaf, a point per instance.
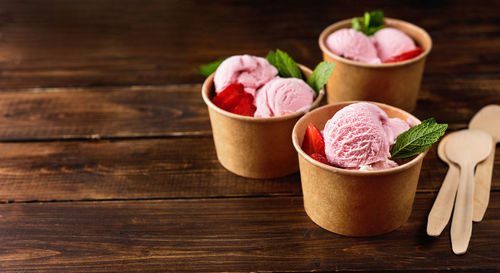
(357, 24)
(367, 19)
(372, 30)
(207, 69)
(417, 139)
(271, 58)
(376, 18)
(375, 21)
(370, 23)
(286, 66)
(320, 76)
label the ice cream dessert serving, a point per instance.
(361, 136)
(359, 171)
(266, 87)
(376, 59)
(253, 104)
(369, 41)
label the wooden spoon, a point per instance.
(443, 205)
(488, 120)
(466, 148)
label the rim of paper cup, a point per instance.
(389, 22)
(343, 171)
(205, 90)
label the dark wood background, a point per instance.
(107, 162)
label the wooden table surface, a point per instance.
(107, 162)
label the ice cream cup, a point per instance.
(254, 147)
(353, 202)
(396, 84)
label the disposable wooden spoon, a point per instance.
(488, 120)
(466, 148)
(443, 205)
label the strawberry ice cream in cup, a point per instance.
(391, 42)
(359, 136)
(251, 71)
(353, 45)
(279, 97)
(353, 188)
(254, 140)
(386, 66)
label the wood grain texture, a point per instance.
(110, 42)
(148, 168)
(236, 235)
(178, 110)
(145, 111)
(455, 100)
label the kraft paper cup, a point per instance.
(353, 202)
(254, 147)
(396, 84)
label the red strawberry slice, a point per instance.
(234, 99)
(313, 141)
(320, 158)
(229, 98)
(245, 106)
(405, 55)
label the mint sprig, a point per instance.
(417, 139)
(320, 76)
(370, 23)
(287, 68)
(207, 69)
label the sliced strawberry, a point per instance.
(228, 98)
(405, 55)
(245, 106)
(320, 158)
(313, 141)
(234, 99)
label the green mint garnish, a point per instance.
(271, 58)
(207, 69)
(320, 76)
(370, 23)
(287, 68)
(417, 139)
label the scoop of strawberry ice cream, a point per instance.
(251, 71)
(352, 44)
(391, 42)
(359, 136)
(283, 96)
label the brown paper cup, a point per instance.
(352, 202)
(253, 147)
(392, 83)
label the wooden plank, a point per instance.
(455, 100)
(62, 113)
(100, 42)
(236, 234)
(148, 168)
(178, 110)
(133, 169)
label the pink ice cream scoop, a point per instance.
(283, 96)
(360, 135)
(251, 71)
(391, 42)
(352, 44)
